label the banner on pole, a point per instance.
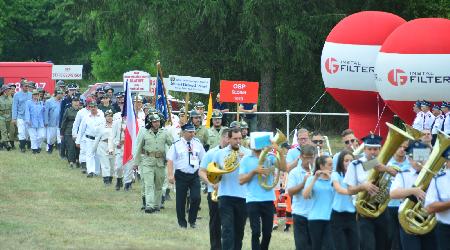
(239, 91)
(188, 84)
(67, 72)
(137, 80)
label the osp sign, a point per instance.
(239, 91)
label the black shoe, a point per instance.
(167, 196)
(28, 144)
(275, 227)
(13, 147)
(38, 150)
(1, 146)
(127, 186)
(286, 228)
(105, 180)
(192, 225)
(34, 151)
(150, 210)
(110, 179)
(118, 184)
(143, 203)
(50, 148)
(90, 175)
(8, 148)
(83, 167)
(22, 145)
(183, 226)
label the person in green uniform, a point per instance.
(105, 103)
(5, 117)
(201, 132)
(214, 131)
(150, 156)
(245, 134)
(66, 132)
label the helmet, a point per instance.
(40, 90)
(194, 113)
(107, 87)
(60, 83)
(4, 88)
(72, 86)
(153, 117)
(244, 124)
(109, 112)
(216, 114)
(235, 124)
(31, 84)
(199, 105)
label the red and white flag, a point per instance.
(131, 129)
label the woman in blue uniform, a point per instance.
(319, 190)
(343, 216)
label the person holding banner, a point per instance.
(183, 162)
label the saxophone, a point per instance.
(373, 206)
(412, 216)
(214, 172)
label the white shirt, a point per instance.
(118, 132)
(437, 124)
(78, 118)
(183, 160)
(404, 179)
(418, 121)
(439, 191)
(428, 120)
(90, 126)
(447, 123)
(356, 174)
(140, 116)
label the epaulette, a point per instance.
(196, 139)
(356, 162)
(404, 171)
(176, 141)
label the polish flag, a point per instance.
(131, 128)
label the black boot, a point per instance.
(8, 148)
(119, 184)
(13, 147)
(83, 167)
(162, 202)
(167, 196)
(1, 146)
(28, 144)
(106, 180)
(143, 203)
(50, 148)
(110, 179)
(38, 150)
(22, 145)
(34, 151)
(127, 186)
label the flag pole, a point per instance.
(186, 106)
(158, 64)
(237, 112)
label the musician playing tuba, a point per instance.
(375, 232)
(260, 194)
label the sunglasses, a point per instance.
(317, 141)
(349, 141)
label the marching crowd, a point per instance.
(316, 193)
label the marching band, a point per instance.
(391, 196)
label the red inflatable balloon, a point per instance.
(348, 68)
(414, 64)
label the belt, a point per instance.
(105, 140)
(154, 154)
(90, 137)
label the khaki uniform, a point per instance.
(7, 131)
(214, 137)
(201, 133)
(150, 155)
(245, 142)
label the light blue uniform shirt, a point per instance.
(254, 191)
(229, 185)
(300, 206)
(208, 158)
(403, 166)
(322, 198)
(52, 110)
(19, 104)
(341, 202)
(34, 114)
(293, 154)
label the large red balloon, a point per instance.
(348, 68)
(413, 64)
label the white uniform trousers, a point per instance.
(118, 166)
(97, 164)
(106, 161)
(82, 156)
(37, 135)
(128, 174)
(53, 135)
(90, 155)
(22, 131)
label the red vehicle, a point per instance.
(38, 72)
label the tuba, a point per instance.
(279, 139)
(412, 216)
(416, 134)
(214, 172)
(373, 206)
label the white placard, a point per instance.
(67, 72)
(138, 81)
(188, 84)
(153, 87)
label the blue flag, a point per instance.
(161, 102)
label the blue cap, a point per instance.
(189, 127)
(418, 104)
(446, 154)
(372, 141)
(445, 105)
(425, 103)
(414, 145)
(436, 107)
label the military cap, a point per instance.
(75, 99)
(182, 111)
(372, 140)
(189, 127)
(35, 92)
(216, 114)
(92, 103)
(72, 86)
(445, 105)
(11, 85)
(425, 104)
(106, 96)
(414, 145)
(436, 107)
(60, 83)
(199, 105)
(194, 113)
(120, 94)
(418, 103)
(107, 87)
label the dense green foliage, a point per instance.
(275, 42)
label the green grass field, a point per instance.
(46, 205)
